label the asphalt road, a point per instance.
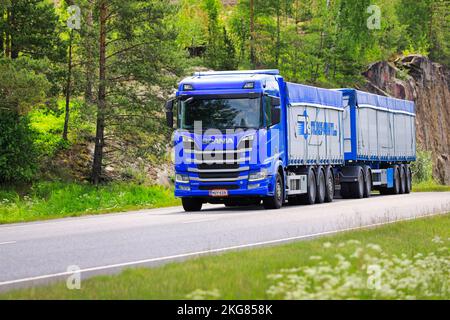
(36, 253)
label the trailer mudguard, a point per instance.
(349, 174)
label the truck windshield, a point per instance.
(220, 114)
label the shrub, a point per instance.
(422, 168)
(18, 155)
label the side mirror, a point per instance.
(275, 101)
(169, 113)
(276, 116)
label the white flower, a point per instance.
(200, 294)
(327, 245)
(315, 258)
(353, 242)
(404, 277)
(374, 247)
(437, 240)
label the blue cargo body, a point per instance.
(248, 136)
(380, 129)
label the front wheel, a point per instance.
(275, 201)
(191, 204)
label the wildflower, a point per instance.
(327, 245)
(315, 258)
(374, 247)
(200, 294)
(437, 240)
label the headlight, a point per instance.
(182, 178)
(257, 176)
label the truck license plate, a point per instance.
(218, 193)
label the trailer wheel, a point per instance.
(310, 197)
(402, 179)
(358, 187)
(367, 182)
(275, 201)
(321, 186)
(329, 178)
(408, 179)
(191, 204)
(397, 181)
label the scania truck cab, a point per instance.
(230, 139)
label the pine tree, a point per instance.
(138, 66)
(30, 27)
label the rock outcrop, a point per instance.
(417, 78)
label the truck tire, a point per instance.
(330, 188)
(408, 179)
(191, 204)
(397, 182)
(358, 187)
(321, 186)
(275, 201)
(310, 197)
(367, 182)
(402, 179)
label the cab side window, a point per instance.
(267, 111)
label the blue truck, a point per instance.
(246, 137)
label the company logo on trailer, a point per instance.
(306, 128)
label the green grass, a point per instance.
(48, 200)
(244, 274)
(430, 186)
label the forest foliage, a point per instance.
(105, 82)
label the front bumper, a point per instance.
(262, 188)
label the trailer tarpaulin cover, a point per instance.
(302, 94)
(364, 98)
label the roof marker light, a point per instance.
(249, 85)
(188, 87)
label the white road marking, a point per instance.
(8, 242)
(205, 252)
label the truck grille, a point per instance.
(218, 166)
(220, 175)
(225, 165)
(220, 187)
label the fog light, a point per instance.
(253, 186)
(184, 188)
